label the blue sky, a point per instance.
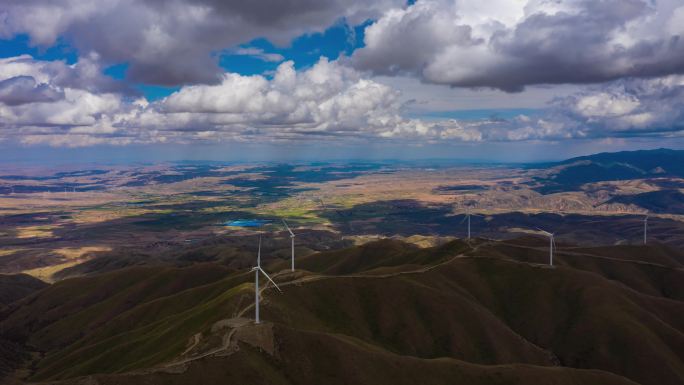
(20, 45)
(305, 50)
(387, 78)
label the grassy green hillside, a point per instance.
(385, 312)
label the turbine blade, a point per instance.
(269, 278)
(545, 232)
(288, 228)
(464, 218)
(259, 253)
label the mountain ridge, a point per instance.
(449, 309)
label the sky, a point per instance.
(501, 80)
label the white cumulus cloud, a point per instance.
(72, 105)
(512, 44)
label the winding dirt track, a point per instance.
(228, 338)
(242, 321)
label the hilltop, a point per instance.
(485, 312)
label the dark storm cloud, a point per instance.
(174, 42)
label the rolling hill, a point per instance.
(571, 174)
(385, 312)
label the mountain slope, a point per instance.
(654, 270)
(385, 312)
(571, 174)
(317, 358)
(671, 162)
(14, 287)
(661, 201)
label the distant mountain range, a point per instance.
(660, 161)
(571, 174)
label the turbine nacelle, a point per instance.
(259, 269)
(547, 233)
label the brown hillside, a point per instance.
(385, 312)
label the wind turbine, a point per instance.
(467, 217)
(552, 244)
(256, 271)
(292, 238)
(645, 228)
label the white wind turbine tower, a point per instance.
(256, 271)
(292, 239)
(467, 217)
(552, 244)
(645, 228)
